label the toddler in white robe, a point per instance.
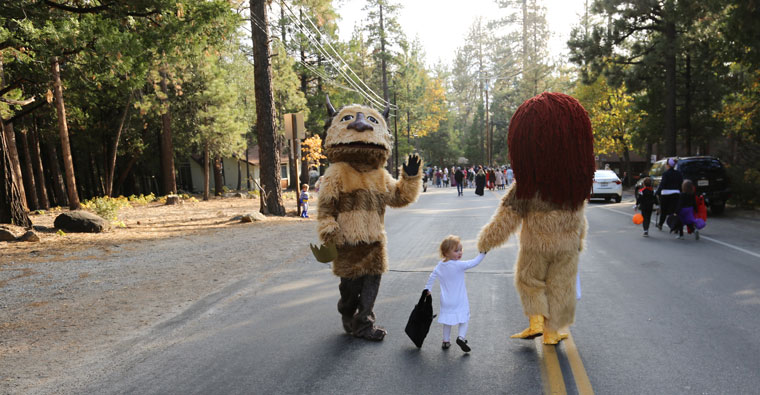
(455, 307)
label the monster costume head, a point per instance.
(551, 148)
(358, 135)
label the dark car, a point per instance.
(706, 172)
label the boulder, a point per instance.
(80, 221)
(6, 235)
(253, 217)
(29, 236)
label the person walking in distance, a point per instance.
(668, 191)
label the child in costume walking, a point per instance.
(305, 200)
(455, 307)
(645, 203)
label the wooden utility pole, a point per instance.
(489, 138)
(63, 128)
(269, 150)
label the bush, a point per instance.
(745, 186)
(142, 199)
(106, 207)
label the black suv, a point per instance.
(706, 172)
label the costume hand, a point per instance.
(324, 253)
(412, 165)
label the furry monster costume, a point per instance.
(351, 208)
(551, 150)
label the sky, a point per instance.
(442, 25)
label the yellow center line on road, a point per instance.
(582, 383)
(551, 372)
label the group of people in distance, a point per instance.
(477, 177)
(679, 205)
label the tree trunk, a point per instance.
(39, 170)
(167, 148)
(125, 173)
(687, 106)
(29, 183)
(670, 81)
(68, 163)
(111, 164)
(10, 144)
(240, 175)
(218, 178)
(206, 165)
(269, 151)
(11, 209)
(59, 189)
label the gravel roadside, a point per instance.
(70, 297)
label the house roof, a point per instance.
(253, 155)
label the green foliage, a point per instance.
(142, 199)
(106, 207)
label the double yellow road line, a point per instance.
(551, 372)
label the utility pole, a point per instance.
(395, 129)
(489, 138)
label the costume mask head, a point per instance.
(551, 148)
(358, 135)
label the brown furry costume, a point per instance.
(551, 150)
(351, 209)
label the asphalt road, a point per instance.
(657, 316)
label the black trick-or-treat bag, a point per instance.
(419, 321)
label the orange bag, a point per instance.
(701, 208)
(638, 218)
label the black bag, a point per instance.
(419, 321)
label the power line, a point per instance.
(377, 100)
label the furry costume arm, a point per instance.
(584, 229)
(503, 223)
(407, 189)
(327, 214)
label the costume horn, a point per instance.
(330, 109)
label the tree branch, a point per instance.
(78, 10)
(26, 111)
(17, 102)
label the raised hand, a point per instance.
(412, 165)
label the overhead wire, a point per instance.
(372, 97)
(327, 41)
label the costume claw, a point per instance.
(552, 337)
(536, 328)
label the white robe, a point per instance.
(455, 307)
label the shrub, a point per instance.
(106, 207)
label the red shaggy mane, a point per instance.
(551, 148)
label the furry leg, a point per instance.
(349, 300)
(560, 290)
(363, 324)
(530, 276)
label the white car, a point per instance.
(607, 185)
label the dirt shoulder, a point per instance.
(73, 294)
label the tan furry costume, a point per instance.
(351, 208)
(551, 150)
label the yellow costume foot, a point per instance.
(552, 337)
(536, 328)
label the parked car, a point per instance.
(706, 172)
(607, 185)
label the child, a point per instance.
(305, 200)
(455, 307)
(645, 202)
(685, 210)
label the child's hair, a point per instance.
(647, 182)
(449, 244)
(687, 186)
(305, 186)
